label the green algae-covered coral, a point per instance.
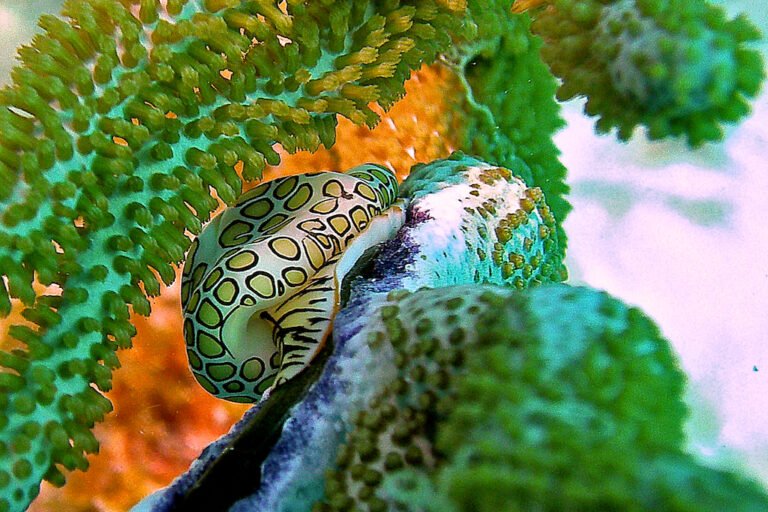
(549, 399)
(127, 118)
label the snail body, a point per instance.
(261, 284)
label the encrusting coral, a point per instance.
(125, 122)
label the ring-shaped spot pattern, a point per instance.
(257, 286)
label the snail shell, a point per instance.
(261, 284)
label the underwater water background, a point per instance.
(680, 233)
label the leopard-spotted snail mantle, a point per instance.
(261, 283)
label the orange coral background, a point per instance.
(162, 418)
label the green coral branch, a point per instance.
(677, 67)
(120, 123)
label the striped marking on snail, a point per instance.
(261, 284)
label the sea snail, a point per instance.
(260, 286)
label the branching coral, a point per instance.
(118, 125)
(127, 120)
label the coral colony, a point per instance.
(412, 349)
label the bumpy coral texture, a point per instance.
(552, 398)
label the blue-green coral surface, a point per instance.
(105, 221)
(566, 400)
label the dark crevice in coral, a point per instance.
(235, 472)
